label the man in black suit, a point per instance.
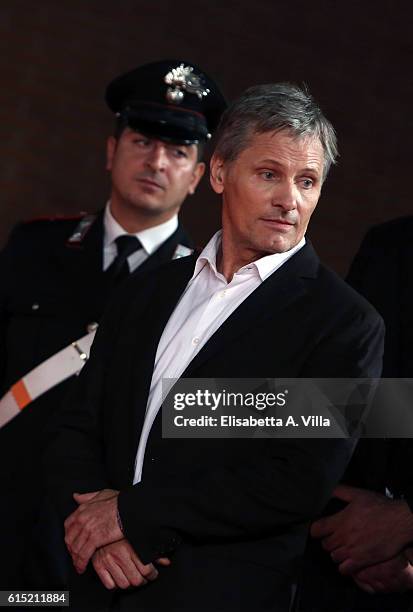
(369, 539)
(58, 274)
(214, 524)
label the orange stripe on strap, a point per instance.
(21, 394)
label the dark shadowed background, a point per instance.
(356, 57)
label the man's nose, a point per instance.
(286, 196)
(157, 158)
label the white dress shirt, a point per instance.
(206, 303)
(150, 239)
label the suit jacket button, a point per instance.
(35, 306)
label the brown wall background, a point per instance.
(57, 56)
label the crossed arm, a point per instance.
(370, 539)
(93, 532)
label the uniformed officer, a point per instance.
(57, 274)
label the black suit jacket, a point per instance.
(232, 513)
(382, 272)
(50, 291)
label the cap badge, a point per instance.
(182, 79)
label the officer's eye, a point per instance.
(180, 153)
(139, 140)
(267, 175)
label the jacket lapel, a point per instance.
(169, 288)
(170, 285)
(273, 296)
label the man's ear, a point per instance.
(110, 151)
(216, 176)
(198, 173)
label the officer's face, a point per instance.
(150, 178)
(269, 192)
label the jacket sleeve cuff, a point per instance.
(141, 518)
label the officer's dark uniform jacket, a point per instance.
(50, 291)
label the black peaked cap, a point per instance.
(172, 99)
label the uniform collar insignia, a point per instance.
(81, 230)
(182, 251)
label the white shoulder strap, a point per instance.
(45, 376)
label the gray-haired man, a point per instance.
(216, 524)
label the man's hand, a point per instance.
(92, 525)
(393, 576)
(117, 565)
(371, 529)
